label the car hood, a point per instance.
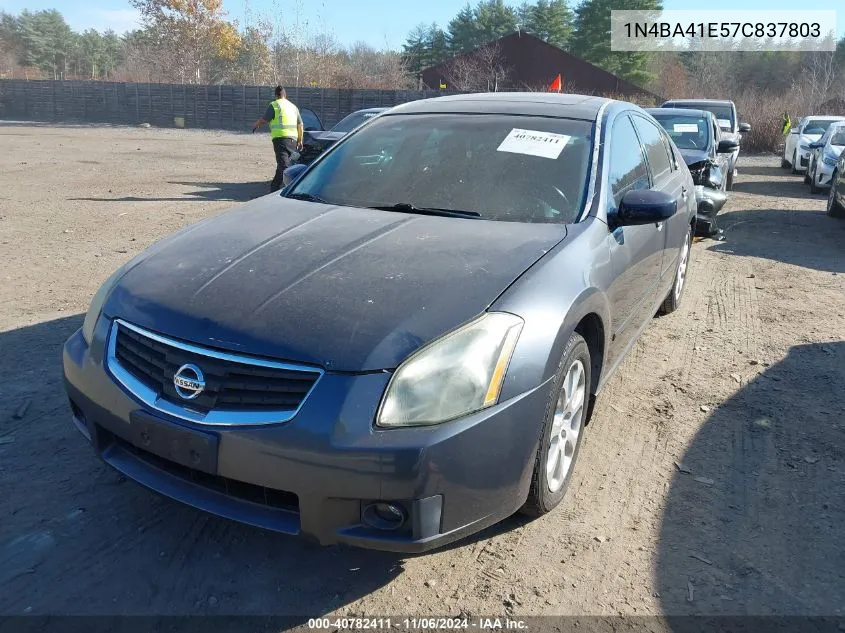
(693, 156)
(345, 288)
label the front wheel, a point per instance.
(795, 169)
(784, 164)
(566, 415)
(673, 300)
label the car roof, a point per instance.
(828, 117)
(367, 110)
(681, 112)
(703, 101)
(570, 106)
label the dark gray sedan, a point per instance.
(403, 348)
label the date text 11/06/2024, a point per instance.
(418, 624)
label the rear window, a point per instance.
(503, 167)
(350, 122)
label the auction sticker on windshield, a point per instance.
(724, 123)
(685, 127)
(534, 143)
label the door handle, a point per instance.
(684, 193)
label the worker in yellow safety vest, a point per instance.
(286, 132)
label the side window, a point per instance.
(655, 148)
(628, 169)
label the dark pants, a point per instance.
(283, 148)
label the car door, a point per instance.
(665, 176)
(635, 251)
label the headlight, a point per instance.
(803, 147)
(830, 159)
(456, 375)
(97, 302)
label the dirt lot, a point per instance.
(710, 480)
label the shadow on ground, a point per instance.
(756, 526)
(206, 191)
(811, 239)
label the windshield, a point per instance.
(501, 167)
(350, 122)
(838, 137)
(818, 126)
(724, 113)
(688, 132)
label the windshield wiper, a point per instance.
(308, 197)
(404, 207)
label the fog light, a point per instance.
(384, 516)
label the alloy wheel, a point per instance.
(681, 277)
(566, 426)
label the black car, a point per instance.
(697, 135)
(402, 348)
(317, 142)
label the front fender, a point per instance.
(553, 296)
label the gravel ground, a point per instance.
(709, 481)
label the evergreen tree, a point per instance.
(550, 20)
(591, 39)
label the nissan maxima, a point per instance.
(402, 347)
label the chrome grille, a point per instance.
(238, 389)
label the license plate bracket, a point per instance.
(187, 447)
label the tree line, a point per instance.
(193, 41)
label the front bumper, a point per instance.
(708, 204)
(823, 173)
(803, 159)
(312, 475)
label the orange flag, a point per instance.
(557, 84)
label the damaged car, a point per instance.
(696, 133)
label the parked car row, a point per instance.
(708, 133)
(815, 147)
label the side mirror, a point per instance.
(292, 173)
(726, 146)
(645, 206)
(815, 145)
(744, 127)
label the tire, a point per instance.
(551, 480)
(673, 300)
(729, 181)
(834, 209)
(814, 188)
(807, 179)
(784, 164)
(795, 170)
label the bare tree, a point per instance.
(483, 69)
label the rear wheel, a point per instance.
(566, 415)
(673, 300)
(834, 208)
